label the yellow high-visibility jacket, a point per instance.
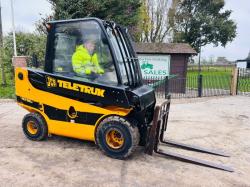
(84, 63)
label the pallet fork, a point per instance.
(156, 139)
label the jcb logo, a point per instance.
(51, 82)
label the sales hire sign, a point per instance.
(154, 66)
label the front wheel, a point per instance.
(117, 137)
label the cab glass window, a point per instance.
(81, 51)
(120, 55)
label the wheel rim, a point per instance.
(114, 139)
(32, 127)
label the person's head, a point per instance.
(89, 45)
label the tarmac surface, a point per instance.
(218, 123)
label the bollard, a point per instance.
(166, 87)
(199, 85)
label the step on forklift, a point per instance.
(91, 88)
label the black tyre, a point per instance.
(117, 137)
(35, 127)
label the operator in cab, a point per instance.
(85, 60)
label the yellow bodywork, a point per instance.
(27, 92)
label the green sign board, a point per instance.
(154, 66)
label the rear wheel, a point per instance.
(117, 137)
(34, 127)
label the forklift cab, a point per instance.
(113, 49)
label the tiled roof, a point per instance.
(165, 48)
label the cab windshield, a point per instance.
(81, 51)
(119, 51)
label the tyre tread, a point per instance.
(133, 129)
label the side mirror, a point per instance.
(35, 62)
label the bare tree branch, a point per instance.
(157, 11)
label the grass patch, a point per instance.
(211, 68)
(8, 91)
(244, 84)
(210, 73)
(218, 79)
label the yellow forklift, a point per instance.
(102, 100)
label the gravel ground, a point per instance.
(219, 123)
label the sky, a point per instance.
(240, 47)
(28, 12)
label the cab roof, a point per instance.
(75, 20)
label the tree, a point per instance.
(27, 45)
(222, 60)
(125, 12)
(211, 59)
(41, 24)
(201, 22)
(3, 77)
(155, 20)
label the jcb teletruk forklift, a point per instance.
(113, 108)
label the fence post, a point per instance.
(199, 85)
(234, 81)
(166, 87)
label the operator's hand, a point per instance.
(87, 71)
(100, 71)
